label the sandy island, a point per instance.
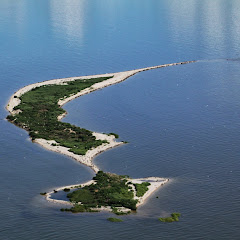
(87, 159)
(155, 182)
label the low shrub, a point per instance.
(114, 220)
(66, 189)
(174, 218)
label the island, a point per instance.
(174, 218)
(37, 108)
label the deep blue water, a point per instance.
(181, 122)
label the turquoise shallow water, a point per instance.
(181, 122)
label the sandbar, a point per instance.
(87, 159)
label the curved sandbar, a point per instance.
(110, 142)
(49, 144)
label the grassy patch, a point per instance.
(114, 134)
(142, 188)
(39, 111)
(114, 220)
(66, 189)
(174, 218)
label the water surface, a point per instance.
(181, 122)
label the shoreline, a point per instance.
(155, 182)
(87, 159)
(117, 77)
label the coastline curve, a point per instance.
(117, 77)
(108, 139)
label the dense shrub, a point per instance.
(39, 111)
(109, 190)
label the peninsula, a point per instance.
(37, 108)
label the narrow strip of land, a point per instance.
(37, 108)
(109, 140)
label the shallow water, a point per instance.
(181, 122)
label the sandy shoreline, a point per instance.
(87, 159)
(116, 78)
(155, 182)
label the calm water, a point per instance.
(181, 122)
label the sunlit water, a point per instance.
(181, 122)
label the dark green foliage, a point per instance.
(40, 110)
(115, 220)
(114, 134)
(10, 117)
(141, 188)
(109, 190)
(66, 189)
(174, 218)
(43, 193)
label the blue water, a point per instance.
(181, 122)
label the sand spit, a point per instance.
(90, 154)
(155, 182)
(116, 78)
(87, 159)
(49, 194)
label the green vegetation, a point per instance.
(39, 110)
(115, 220)
(114, 134)
(109, 190)
(142, 188)
(174, 218)
(43, 193)
(119, 212)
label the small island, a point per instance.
(174, 218)
(114, 220)
(37, 108)
(107, 191)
